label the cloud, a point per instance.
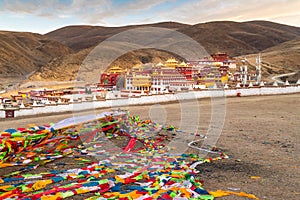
(123, 10)
(109, 12)
(210, 10)
(55, 8)
(91, 11)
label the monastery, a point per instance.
(171, 75)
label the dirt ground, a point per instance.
(261, 134)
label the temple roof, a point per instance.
(171, 60)
(115, 69)
(183, 64)
(159, 64)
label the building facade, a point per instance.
(172, 75)
(158, 78)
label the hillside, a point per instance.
(66, 68)
(82, 37)
(285, 55)
(235, 38)
(22, 53)
(280, 59)
(232, 37)
(58, 55)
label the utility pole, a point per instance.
(245, 75)
(258, 68)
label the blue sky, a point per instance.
(42, 16)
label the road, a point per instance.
(277, 77)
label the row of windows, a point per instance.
(158, 82)
(135, 88)
(180, 84)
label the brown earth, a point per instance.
(67, 68)
(22, 53)
(280, 59)
(294, 78)
(261, 134)
(83, 37)
(234, 38)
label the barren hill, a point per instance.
(285, 55)
(279, 59)
(232, 37)
(240, 38)
(235, 38)
(66, 68)
(82, 37)
(58, 55)
(22, 53)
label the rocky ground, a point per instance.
(261, 134)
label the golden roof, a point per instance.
(159, 64)
(183, 64)
(115, 69)
(137, 67)
(171, 60)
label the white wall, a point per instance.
(154, 99)
(2, 114)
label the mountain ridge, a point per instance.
(214, 36)
(57, 54)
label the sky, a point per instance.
(42, 16)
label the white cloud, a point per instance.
(54, 8)
(210, 10)
(191, 12)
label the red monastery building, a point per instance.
(220, 57)
(110, 78)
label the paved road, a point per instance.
(277, 77)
